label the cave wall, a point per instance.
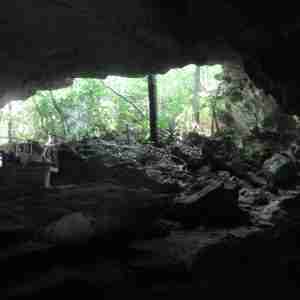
(45, 43)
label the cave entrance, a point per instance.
(207, 100)
(116, 105)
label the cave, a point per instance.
(48, 43)
(95, 238)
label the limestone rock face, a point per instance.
(46, 44)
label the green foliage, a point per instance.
(118, 105)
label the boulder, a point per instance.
(103, 212)
(283, 212)
(280, 168)
(73, 228)
(216, 204)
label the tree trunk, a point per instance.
(195, 99)
(10, 125)
(212, 126)
(126, 99)
(152, 90)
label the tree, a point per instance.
(195, 99)
(10, 124)
(152, 87)
(215, 128)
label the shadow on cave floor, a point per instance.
(154, 223)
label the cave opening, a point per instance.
(158, 199)
(204, 99)
(210, 100)
(85, 186)
(94, 107)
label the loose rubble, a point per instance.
(139, 214)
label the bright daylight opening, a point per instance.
(208, 100)
(116, 105)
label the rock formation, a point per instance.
(46, 44)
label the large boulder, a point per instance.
(103, 212)
(280, 168)
(215, 204)
(73, 228)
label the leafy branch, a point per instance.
(141, 113)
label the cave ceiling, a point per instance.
(46, 43)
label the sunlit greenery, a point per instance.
(116, 105)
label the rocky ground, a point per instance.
(192, 218)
